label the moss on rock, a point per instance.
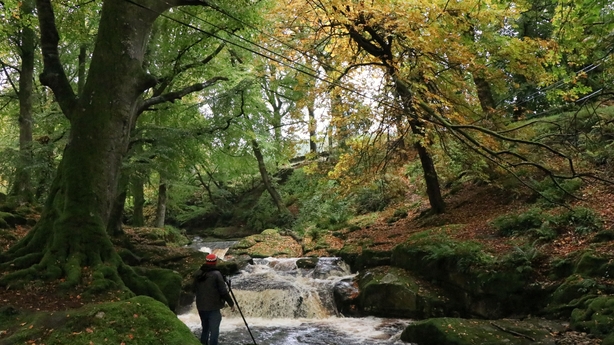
(269, 243)
(169, 282)
(139, 321)
(454, 331)
(393, 292)
(597, 317)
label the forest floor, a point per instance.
(473, 206)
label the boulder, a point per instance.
(393, 292)
(269, 243)
(455, 331)
(595, 317)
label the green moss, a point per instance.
(139, 321)
(596, 318)
(590, 264)
(393, 292)
(140, 285)
(168, 281)
(453, 331)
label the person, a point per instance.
(211, 296)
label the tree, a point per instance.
(71, 233)
(448, 67)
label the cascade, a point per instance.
(284, 305)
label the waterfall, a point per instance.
(286, 304)
(277, 288)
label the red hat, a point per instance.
(211, 259)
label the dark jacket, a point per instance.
(210, 289)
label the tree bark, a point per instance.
(138, 194)
(312, 125)
(22, 188)
(161, 206)
(114, 226)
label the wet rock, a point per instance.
(330, 267)
(345, 293)
(394, 292)
(309, 262)
(269, 243)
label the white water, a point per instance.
(285, 305)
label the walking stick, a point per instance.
(239, 308)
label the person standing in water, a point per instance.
(211, 296)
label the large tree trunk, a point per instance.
(22, 188)
(71, 233)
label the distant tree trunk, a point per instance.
(313, 147)
(139, 201)
(22, 188)
(487, 101)
(433, 189)
(266, 179)
(161, 207)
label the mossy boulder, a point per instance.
(571, 294)
(139, 321)
(487, 286)
(454, 331)
(169, 282)
(269, 243)
(596, 317)
(350, 253)
(590, 264)
(393, 292)
(10, 220)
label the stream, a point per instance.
(286, 305)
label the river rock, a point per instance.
(394, 292)
(269, 243)
(455, 331)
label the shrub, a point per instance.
(556, 193)
(508, 225)
(378, 195)
(583, 220)
(522, 259)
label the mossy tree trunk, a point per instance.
(22, 188)
(71, 233)
(138, 218)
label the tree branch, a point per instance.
(8, 76)
(173, 96)
(53, 74)
(180, 69)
